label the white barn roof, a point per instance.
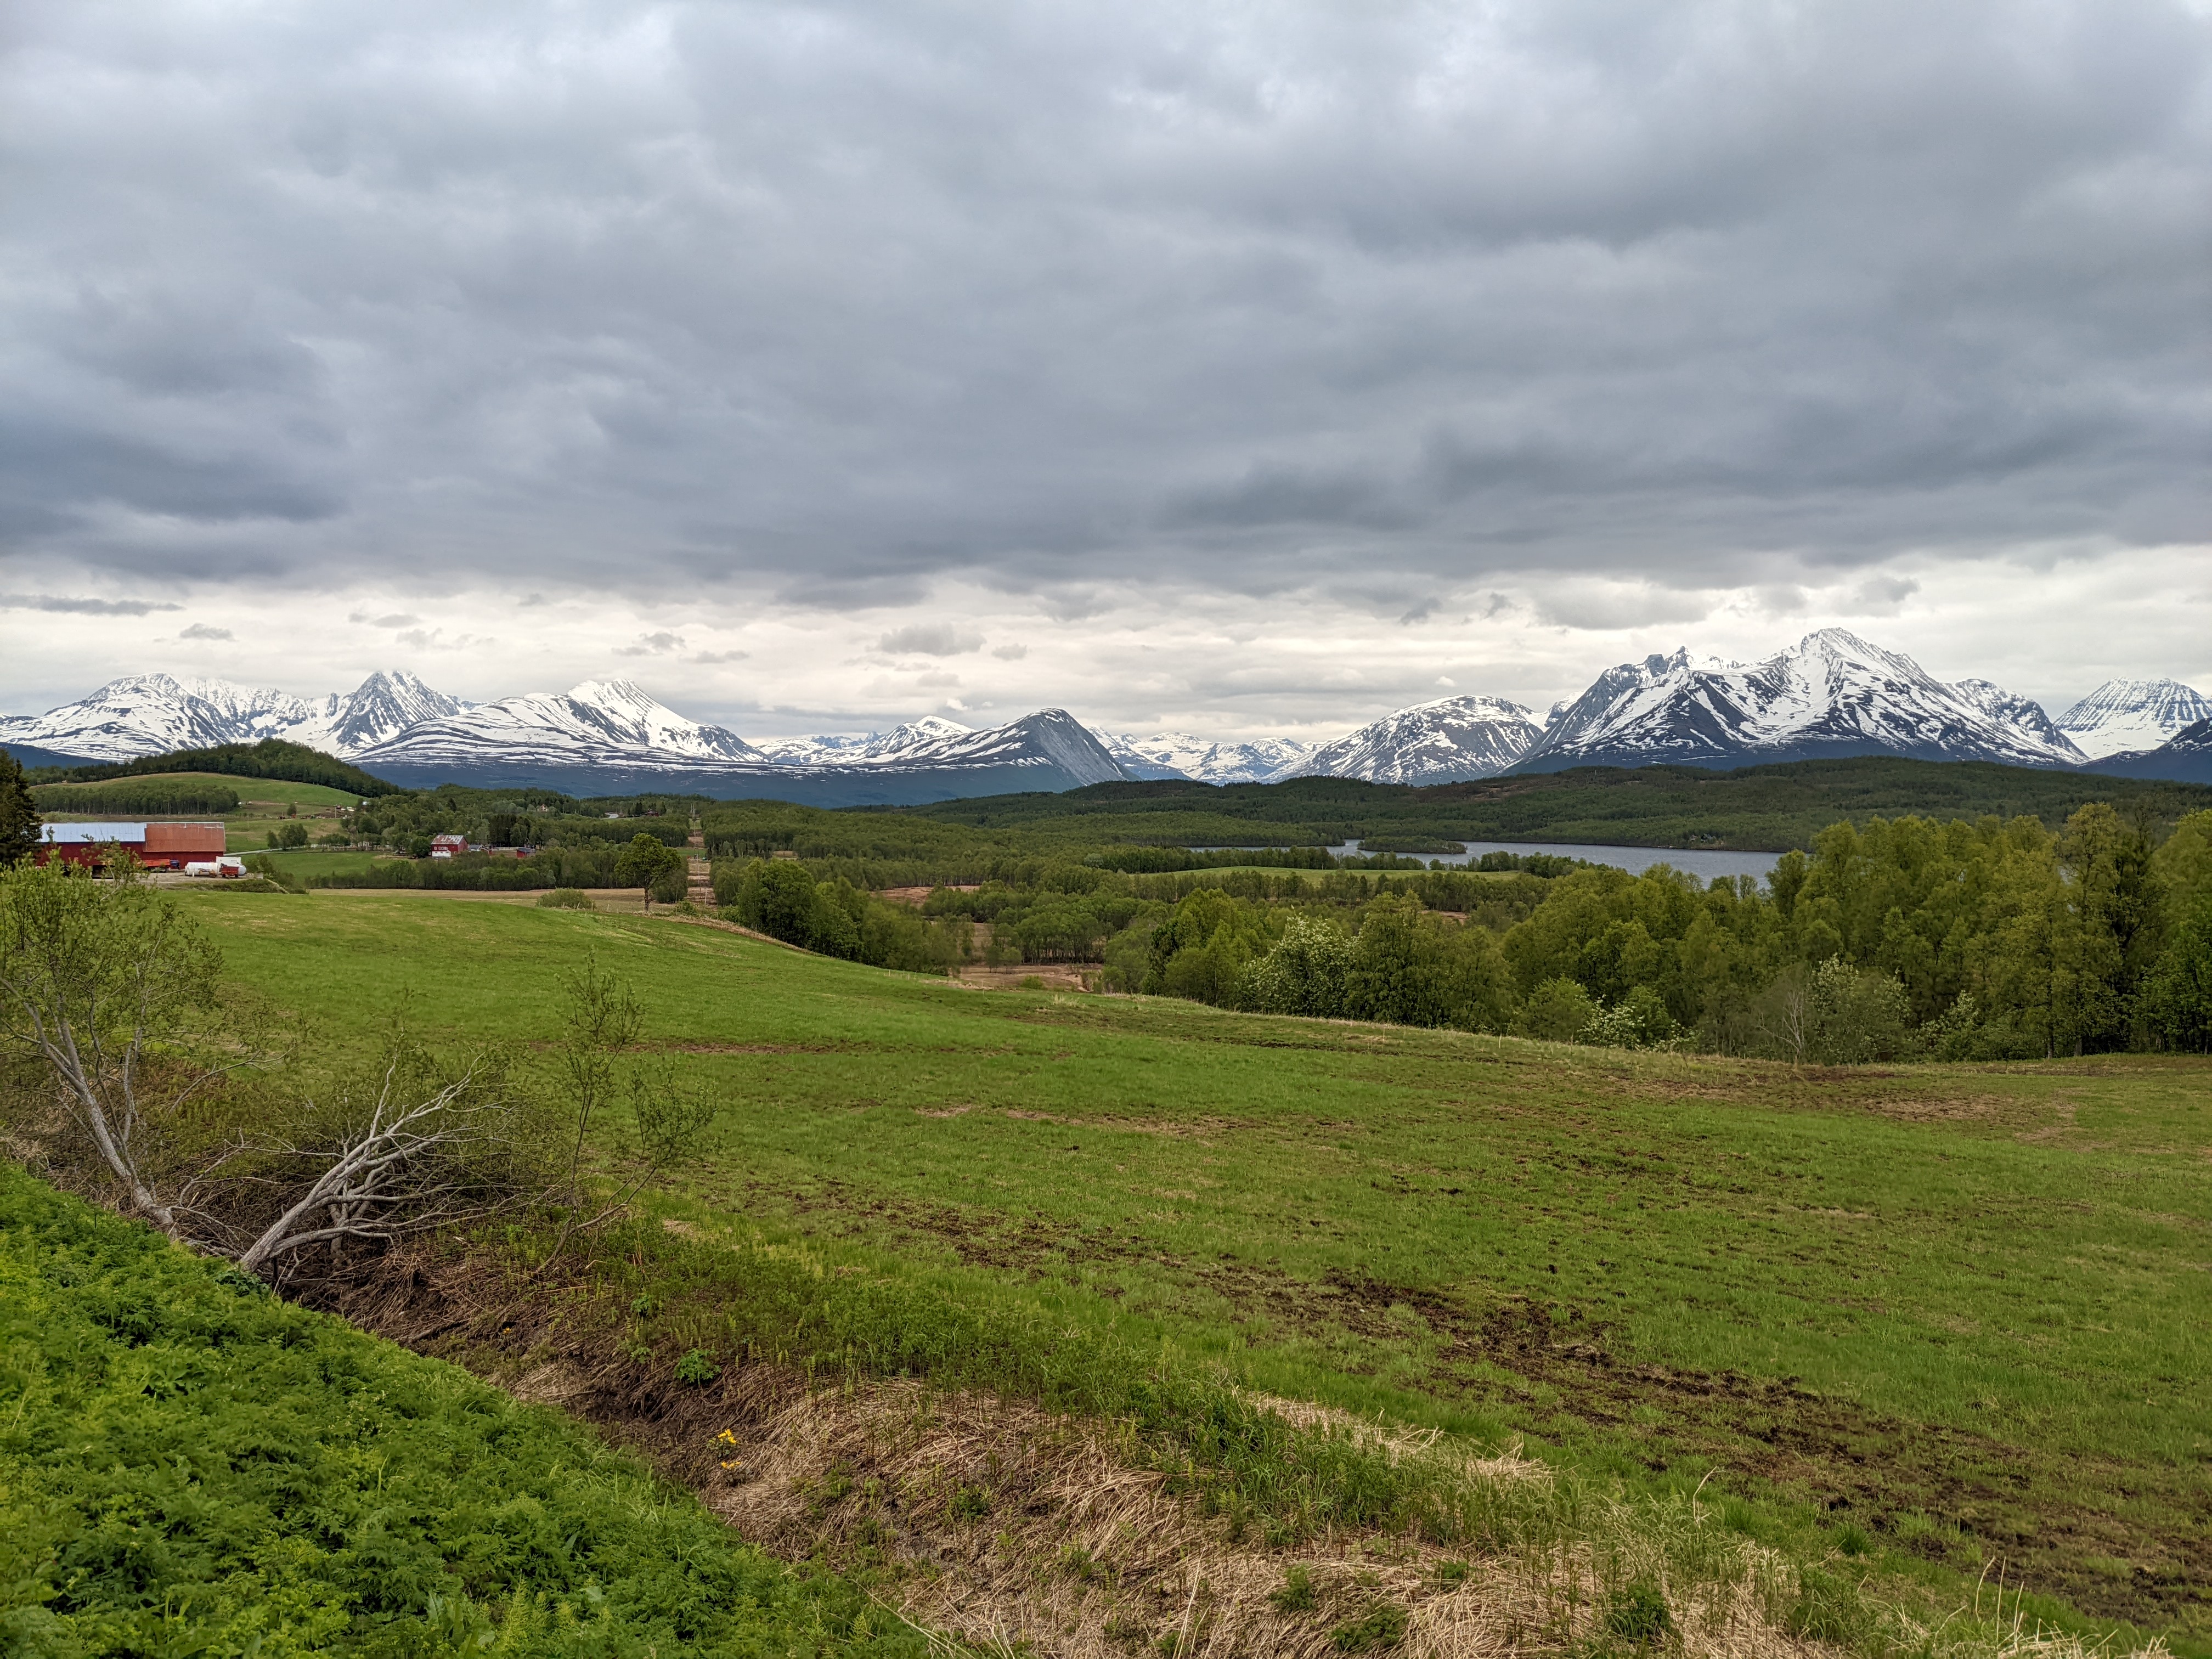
(64, 834)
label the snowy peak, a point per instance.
(153, 714)
(598, 722)
(913, 738)
(1449, 741)
(380, 707)
(1051, 738)
(1181, 755)
(2125, 716)
(145, 714)
(1830, 694)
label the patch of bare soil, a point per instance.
(917, 897)
(1047, 976)
(1010, 1526)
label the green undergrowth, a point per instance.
(190, 1466)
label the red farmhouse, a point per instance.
(156, 846)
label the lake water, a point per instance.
(1703, 863)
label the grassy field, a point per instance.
(1950, 1319)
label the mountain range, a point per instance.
(1831, 693)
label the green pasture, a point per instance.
(309, 862)
(1966, 1308)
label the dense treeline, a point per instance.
(786, 900)
(153, 796)
(1905, 938)
(1772, 807)
(552, 867)
(537, 819)
(1988, 940)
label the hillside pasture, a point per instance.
(1939, 1317)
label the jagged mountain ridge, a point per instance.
(2133, 716)
(142, 714)
(606, 737)
(1181, 754)
(876, 748)
(1831, 693)
(1448, 741)
(597, 723)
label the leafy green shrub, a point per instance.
(1557, 1011)
(971, 1504)
(1382, 1625)
(196, 1466)
(566, 898)
(1638, 1614)
(1297, 1594)
(697, 1369)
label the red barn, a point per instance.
(156, 846)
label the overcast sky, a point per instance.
(1242, 369)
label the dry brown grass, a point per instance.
(1006, 1525)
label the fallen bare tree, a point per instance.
(104, 980)
(430, 1149)
(113, 988)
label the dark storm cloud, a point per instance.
(827, 302)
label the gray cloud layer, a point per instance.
(833, 300)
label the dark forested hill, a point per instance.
(1772, 807)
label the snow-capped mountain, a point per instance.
(2121, 716)
(876, 748)
(379, 709)
(829, 750)
(1831, 694)
(604, 737)
(1050, 739)
(142, 714)
(1447, 741)
(598, 723)
(2185, 758)
(1180, 755)
(158, 713)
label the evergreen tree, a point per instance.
(19, 816)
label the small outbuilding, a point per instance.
(449, 847)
